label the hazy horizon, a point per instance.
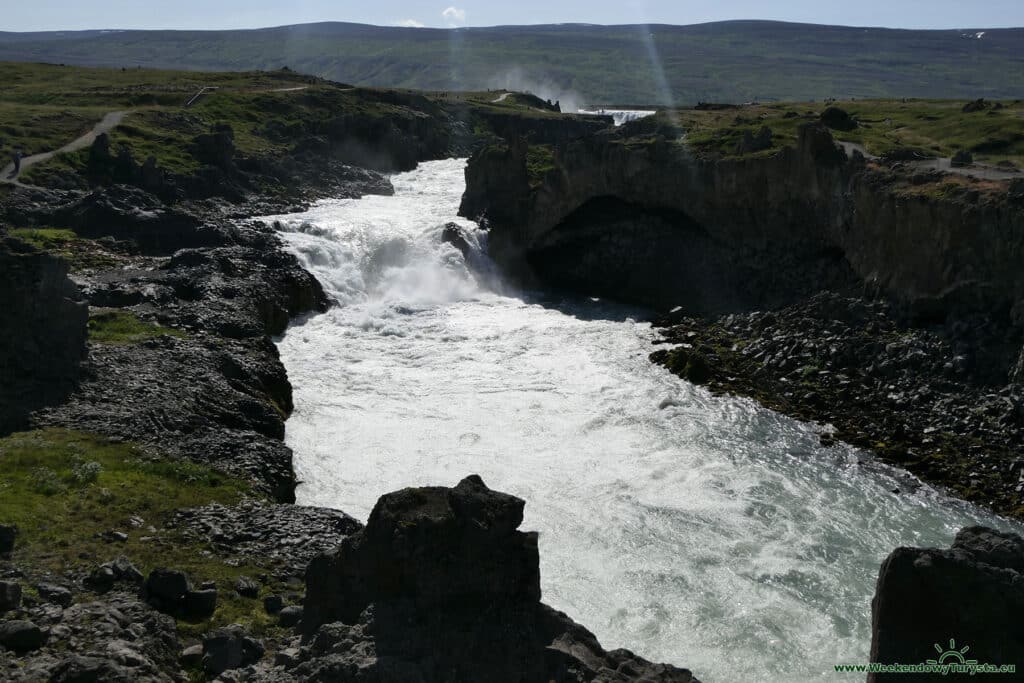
(186, 15)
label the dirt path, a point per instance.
(106, 124)
(501, 98)
(945, 164)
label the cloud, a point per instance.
(411, 23)
(454, 16)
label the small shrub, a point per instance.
(85, 473)
(45, 481)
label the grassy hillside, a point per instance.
(932, 128)
(45, 106)
(728, 61)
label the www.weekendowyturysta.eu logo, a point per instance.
(952, 659)
(952, 654)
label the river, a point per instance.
(702, 531)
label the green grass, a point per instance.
(120, 327)
(64, 489)
(81, 254)
(932, 127)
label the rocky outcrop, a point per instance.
(919, 398)
(932, 605)
(42, 331)
(442, 586)
(775, 217)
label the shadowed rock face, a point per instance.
(973, 593)
(42, 332)
(442, 586)
(808, 203)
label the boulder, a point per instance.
(962, 158)
(229, 648)
(434, 546)
(58, 595)
(8, 534)
(10, 596)
(192, 657)
(199, 604)
(972, 593)
(21, 636)
(453, 235)
(291, 616)
(273, 604)
(166, 589)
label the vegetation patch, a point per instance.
(120, 327)
(81, 254)
(540, 160)
(69, 492)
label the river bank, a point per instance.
(151, 494)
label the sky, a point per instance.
(49, 15)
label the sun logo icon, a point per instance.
(952, 653)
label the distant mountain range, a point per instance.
(731, 61)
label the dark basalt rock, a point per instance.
(21, 636)
(42, 337)
(972, 593)
(442, 586)
(166, 588)
(10, 596)
(838, 119)
(133, 215)
(58, 595)
(229, 648)
(8, 535)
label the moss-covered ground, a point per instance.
(118, 326)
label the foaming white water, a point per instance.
(619, 116)
(702, 531)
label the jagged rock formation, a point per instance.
(441, 586)
(42, 331)
(972, 593)
(633, 213)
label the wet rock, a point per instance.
(10, 596)
(452, 234)
(229, 648)
(973, 593)
(21, 636)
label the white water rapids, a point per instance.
(701, 531)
